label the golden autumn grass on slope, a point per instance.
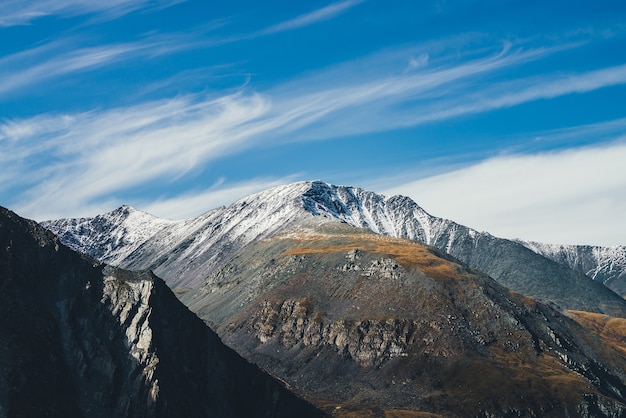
(612, 331)
(504, 374)
(407, 253)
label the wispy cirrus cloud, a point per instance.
(19, 12)
(85, 160)
(67, 56)
(319, 15)
(82, 158)
(64, 57)
(316, 16)
(522, 91)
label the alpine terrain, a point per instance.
(368, 324)
(79, 338)
(369, 306)
(186, 252)
(604, 264)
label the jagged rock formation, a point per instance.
(78, 338)
(185, 252)
(603, 264)
(368, 324)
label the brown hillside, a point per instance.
(365, 325)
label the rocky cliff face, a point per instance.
(185, 252)
(78, 338)
(367, 324)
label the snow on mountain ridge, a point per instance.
(131, 238)
(186, 252)
(109, 237)
(604, 264)
(397, 216)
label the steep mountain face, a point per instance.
(185, 252)
(603, 264)
(78, 338)
(369, 325)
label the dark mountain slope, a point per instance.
(371, 324)
(78, 338)
(603, 264)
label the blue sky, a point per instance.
(507, 116)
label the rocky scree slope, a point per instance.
(603, 264)
(375, 324)
(185, 252)
(78, 338)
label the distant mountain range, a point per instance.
(185, 252)
(603, 264)
(82, 339)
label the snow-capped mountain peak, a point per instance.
(186, 252)
(397, 216)
(175, 249)
(109, 237)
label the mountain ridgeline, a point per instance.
(365, 305)
(185, 252)
(79, 338)
(603, 264)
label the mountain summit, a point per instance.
(305, 281)
(185, 252)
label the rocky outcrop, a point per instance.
(368, 342)
(78, 338)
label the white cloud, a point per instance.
(568, 197)
(100, 154)
(319, 15)
(417, 62)
(20, 12)
(52, 60)
(523, 91)
(348, 100)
